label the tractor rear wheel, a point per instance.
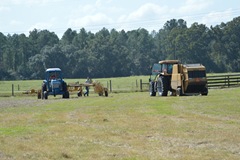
(65, 94)
(106, 93)
(64, 86)
(162, 86)
(44, 89)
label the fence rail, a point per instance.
(115, 85)
(133, 85)
(221, 81)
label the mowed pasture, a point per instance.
(122, 126)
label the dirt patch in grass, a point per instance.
(23, 102)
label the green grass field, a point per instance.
(122, 126)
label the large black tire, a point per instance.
(205, 92)
(79, 94)
(44, 89)
(152, 90)
(179, 91)
(65, 95)
(45, 94)
(39, 95)
(65, 90)
(64, 86)
(163, 86)
(106, 93)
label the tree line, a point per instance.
(112, 53)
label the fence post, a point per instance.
(141, 85)
(228, 82)
(18, 87)
(12, 89)
(110, 85)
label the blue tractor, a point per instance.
(53, 84)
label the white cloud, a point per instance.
(90, 21)
(27, 2)
(191, 6)
(40, 25)
(149, 16)
(86, 9)
(100, 3)
(4, 9)
(145, 12)
(15, 23)
(151, 11)
(217, 17)
(95, 15)
(100, 6)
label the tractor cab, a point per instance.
(167, 66)
(53, 74)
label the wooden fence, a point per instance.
(214, 81)
(221, 81)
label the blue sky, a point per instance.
(22, 16)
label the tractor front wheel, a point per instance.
(179, 91)
(152, 91)
(45, 95)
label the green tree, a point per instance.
(119, 61)
(81, 39)
(197, 43)
(68, 36)
(3, 57)
(36, 65)
(167, 40)
(41, 38)
(99, 54)
(231, 40)
(141, 51)
(218, 51)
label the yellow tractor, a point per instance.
(170, 76)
